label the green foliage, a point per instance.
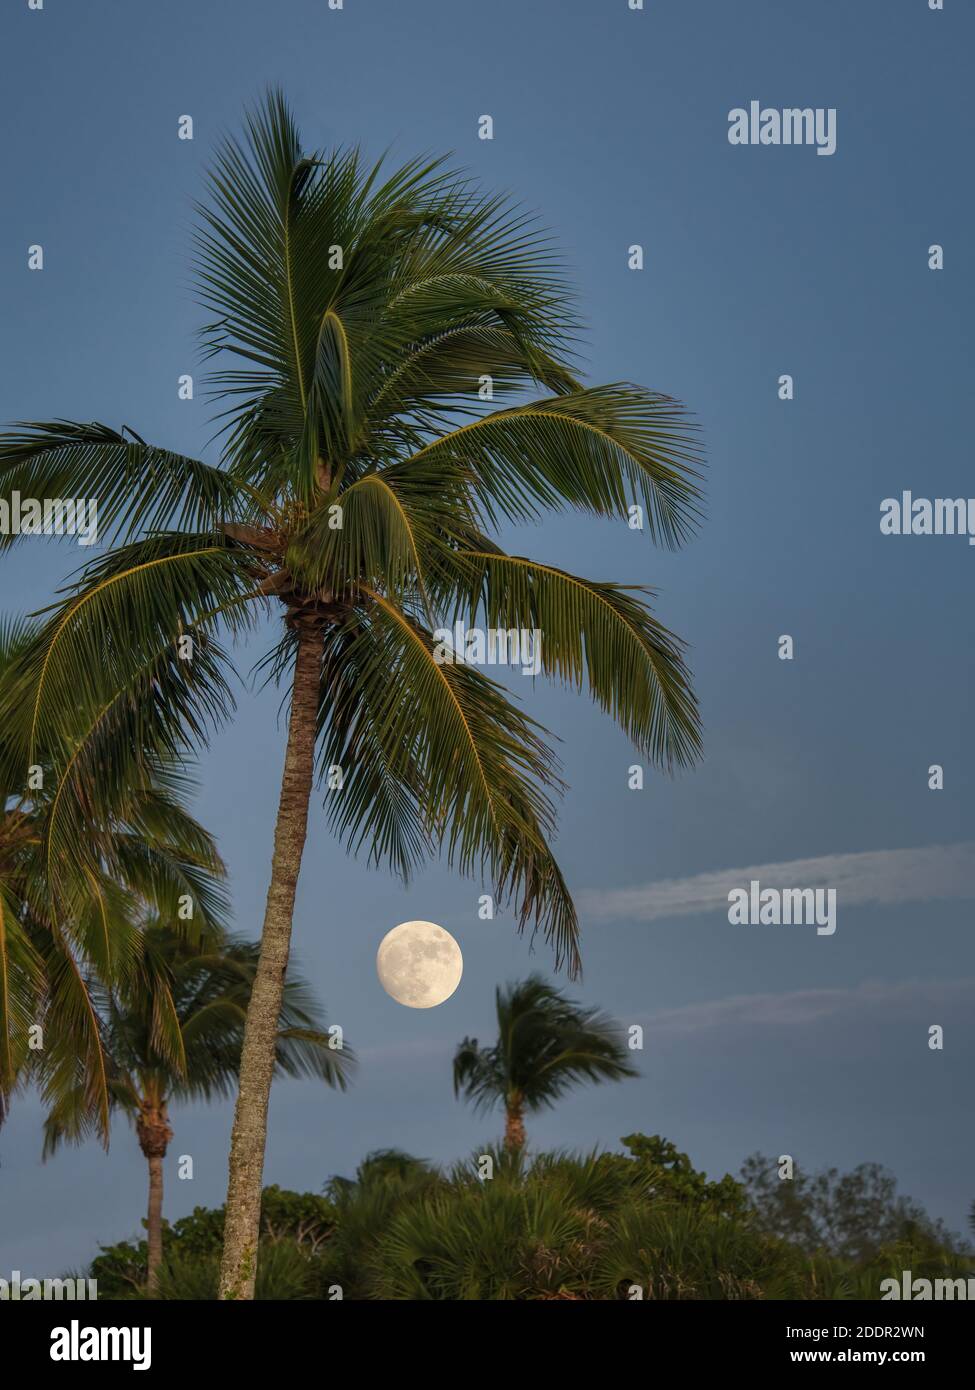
(671, 1176)
(562, 1227)
(298, 1220)
(679, 1250)
(596, 1226)
(285, 1273)
(381, 1168)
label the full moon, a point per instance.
(419, 964)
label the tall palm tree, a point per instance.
(359, 477)
(61, 924)
(174, 1033)
(546, 1044)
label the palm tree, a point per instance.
(174, 1033)
(546, 1044)
(359, 478)
(146, 854)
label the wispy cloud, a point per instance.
(878, 876)
(795, 1008)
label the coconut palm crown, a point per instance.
(546, 1045)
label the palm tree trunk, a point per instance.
(153, 1132)
(154, 1221)
(514, 1123)
(247, 1143)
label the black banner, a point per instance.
(164, 1338)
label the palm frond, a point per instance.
(599, 634)
(136, 487)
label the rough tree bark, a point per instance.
(514, 1123)
(239, 1265)
(153, 1132)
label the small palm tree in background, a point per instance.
(356, 320)
(64, 922)
(546, 1045)
(174, 1033)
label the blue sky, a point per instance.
(759, 261)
